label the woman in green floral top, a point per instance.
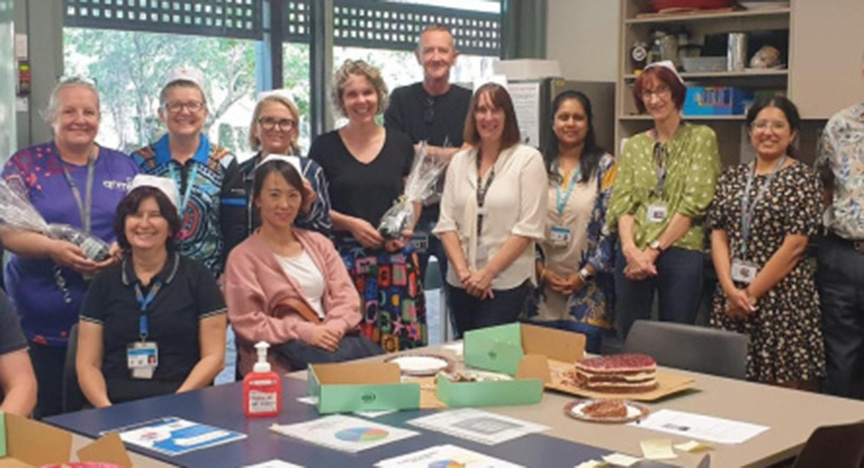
(666, 179)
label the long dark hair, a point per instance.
(788, 109)
(285, 169)
(591, 153)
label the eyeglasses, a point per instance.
(776, 125)
(177, 107)
(269, 124)
(660, 92)
(429, 113)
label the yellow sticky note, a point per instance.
(693, 447)
(592, 464)
(657, 449)
(620, 459)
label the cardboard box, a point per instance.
(349, 387)
(502, 348)
(525, 389)
(25, 443)
(717, 100)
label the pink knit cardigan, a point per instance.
(255, 284)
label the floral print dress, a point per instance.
(785, 331)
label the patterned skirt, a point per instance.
(391, 294)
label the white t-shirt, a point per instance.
(303, 269)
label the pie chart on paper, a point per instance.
(362, 434)
(446, 464)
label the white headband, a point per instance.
(292, 160)
(283, 93)
(163, 184)
(186, 74)
(667, 64)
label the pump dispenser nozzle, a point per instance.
(262, 365)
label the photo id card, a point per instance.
(657, 213)
(560, 236)
(744, 271)
(420, 242)
(142, 358)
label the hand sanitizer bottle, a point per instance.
(262, 388)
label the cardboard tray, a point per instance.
(668, 383)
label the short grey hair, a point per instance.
(163, 95)
(359, 68)
(50, 112)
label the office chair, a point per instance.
(839, 446)
(690, 347)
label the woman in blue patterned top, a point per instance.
(274, 130)
(212, 197)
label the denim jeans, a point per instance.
(678, 284)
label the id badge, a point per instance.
(142, 358)
(744, 271)
(657, 213)
(420, 242)
(560, 236)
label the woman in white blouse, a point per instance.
(492, 212)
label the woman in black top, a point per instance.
(155, 323)
(365, 166)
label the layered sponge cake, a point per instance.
(618, 373)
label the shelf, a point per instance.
(725, 74)
(677, 18)
(730, 118)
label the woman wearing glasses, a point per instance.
(70, 180)
(365, 165)
(666, 179)
(762, 217)
(274, 130)
(212, 198)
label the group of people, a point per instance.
(287, 247)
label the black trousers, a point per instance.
(470, 313)
(48, 364)
(840, 279)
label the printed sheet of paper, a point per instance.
(477, 425)
(273, 464)
(724, 431)
(445, 456)
(175, 436)
(345, 433)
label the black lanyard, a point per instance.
(482, 190)
(747, 208)
(84, 206)
(144, 302)
(660, 161)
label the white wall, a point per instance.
(583, 36)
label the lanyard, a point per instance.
(144, 302)
(84, 206)
(659, 160)
(560, 202)
(747, 208)
(481, 193)
(190, 181)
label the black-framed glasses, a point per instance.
(176, 107)
(429, 112)
(269, 124)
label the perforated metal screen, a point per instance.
(223, 18)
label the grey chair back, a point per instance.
(690, 347)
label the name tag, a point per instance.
(560, 236)
(657, 213)
(744, 271)
(142, 358)
(420, 242)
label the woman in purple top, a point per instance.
(70, 180)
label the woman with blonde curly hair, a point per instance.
(365, 166)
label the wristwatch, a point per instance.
(656, 246)
(585, 274)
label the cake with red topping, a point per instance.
(617, 373)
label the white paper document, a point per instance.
(477, 425)
(345, 433)
(175, 436)
(697, 426)
(273, 464)
(445, 456)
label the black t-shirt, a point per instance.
(365, 191)
(431, 118)
(11, 336)
(188, 294)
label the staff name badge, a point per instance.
(142, 358)
(420, 242)
(560, 236)
(657, 213)
(744, 271)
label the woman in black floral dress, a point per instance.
(762, 216)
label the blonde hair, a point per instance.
(359, 68)
(50, 112)
(255, 142)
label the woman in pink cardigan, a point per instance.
(284, 284)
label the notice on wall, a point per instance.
(526, 101)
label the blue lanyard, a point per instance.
(190, 182)
(747, 208)
(144, 302)
(560, 202)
